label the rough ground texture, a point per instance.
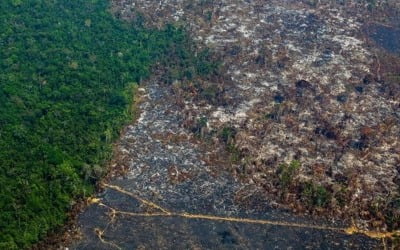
(168, 169)
(304, 116)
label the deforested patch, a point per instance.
(300, 83)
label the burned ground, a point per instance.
(304, 113)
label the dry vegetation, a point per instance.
(306, 105)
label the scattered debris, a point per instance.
(305, 114)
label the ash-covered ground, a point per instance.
(304, 118)
(164, 194)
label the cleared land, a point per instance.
(302, 116)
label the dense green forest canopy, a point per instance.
(67, 72)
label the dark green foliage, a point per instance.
(200, 125)
(234, 152)
(315, 195)
(67, 72)
(228, 134)
(287, 173)
(187, 64)
(341, 196)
